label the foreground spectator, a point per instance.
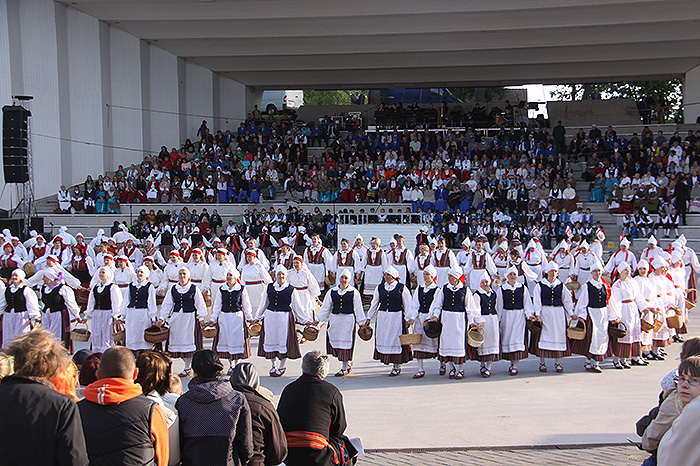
(121, 426)
(38, 426)
(269, 441)
(215, 425)
(313, 417)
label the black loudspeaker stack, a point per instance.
(15, 143)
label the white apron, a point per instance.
(276, 325)
(231, 333)
(373, 277)
(599, 332)
(102, 328)
(137, 321)
(492, 342)
(182, 332)
(453, 336)
(513, 330)
(341, 328)
(388, 329)
(554, 323)
(15, 324)
(427, 345)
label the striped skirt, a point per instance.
(424, 355)
(401, 358)
(517, 355)
(625, 350)
(293, 351)
(534, 349)
(583, 347)
(198, 342)
(233, 357)
(340, 354)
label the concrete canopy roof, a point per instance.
(333, 44)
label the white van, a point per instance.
(274, 101)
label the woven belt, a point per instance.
(254, 283)
(196, 281)
(535, 265)
(123, 285)
(585, 268)
(627, 301)
(563, 268)
(303, 288)
(172, 281)
(218, 281)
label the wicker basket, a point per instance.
(534, 326)
(365, 332)
(658, 324)
(310, 332)
(475, 337)
(675, 321)
(618, 330)
(330, 279)
(578, 332)
(497, 282)
(646, 326)
(210, 331)
(29, 269)
(411, 338)
(80, 333)
(156, 334)
(688, 303)
(159, 299)
(255, 329)
(118, 332)
(573, 286)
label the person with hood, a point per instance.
(585, 259)
(513, 306)
(621, 256)
(553, 307)
(280, 307)
(184, 310)
(342, 309)
(319, 260)
(536, 259)
(626, 302)
(104, 304)
(231, 310)
(485, 299)
(376, 262)
(419, 314)
(592, 309)
(215, 419)
(301, 278)
(390, 303)
(139, 309)
(122, 426)
(60, 307)
(19, 306)
(269, 441)
(255, 277)
(454, 306)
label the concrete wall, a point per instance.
(581, 113)
(102, 97)
(691, 95)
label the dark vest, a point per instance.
(279, 301)
(15, 301)
(184, 302)
(231, 301)
(390, 301)
(488, 303)
(551, 296)
(425, 299)
(597, 297)
(453, 300)
(53, 301)
(514, 299)
(119, 434)
(138, 296)
(342, 304)
(103, 301)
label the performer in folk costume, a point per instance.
(301, 278)
(676, 271)
(152, 250)
(342, 309)
(52, 262)
(622, 255)
(139, 310)
(443, 260)
(133, 253)
(231, 310)
(592, 309)
(584, 261)
(485, 298)
(20, 309)
(479, 261)
(597, 244)
(464, 254)
(377, 263)
(423, 259)
(284, 254)
(361, 250)
(553, 307)
(38, 253)
(648, 291)
(419, 313)
(250, 246)
(666, 302)
(318, 259)
(215, 275)
(19, 249)
(536, 259)
(123, 276)
(185, 250)
(171, 272)
(281, 308)
(104, 303)
(652, 251)
(198, 268)
(9, 261)
(514, 306)
(625, 303)
(390, 303)
(400, 258)
(184, 310)
(81, 265)
(692, 266)
(255, 278)
(155, 276)
(344, 258)
(456, 308)
(525, 273)
(564, 260)
(501, 259)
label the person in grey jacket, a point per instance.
(215, 422)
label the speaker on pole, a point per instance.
(15, 143)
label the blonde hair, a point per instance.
(5, 366)
(38, 354)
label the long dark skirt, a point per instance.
(293, 351)
(583, 347)
(401, 358)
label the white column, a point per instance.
(691, 95)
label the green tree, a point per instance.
(337, 97)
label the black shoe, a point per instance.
(617, 365)
(648, 356)
(658, 357)
(625, 365)
(677, 339)
(637, 362)
(662, 352)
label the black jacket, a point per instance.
(38, 425)
(312, 405)
(269, 442)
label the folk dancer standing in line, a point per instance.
(479, 261)
(666, 301)
(377, 263)
(553, 306)
(400, 258)
(514, 306)
(390, 302)
(419, 314)
(20, 310)
(342, 309)
(489, 351)
(318, 259)
(104, 304)
(443, 260)
(255, 278)
(344, 258)
(625, 303)
(140, 310)
(649, 309)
